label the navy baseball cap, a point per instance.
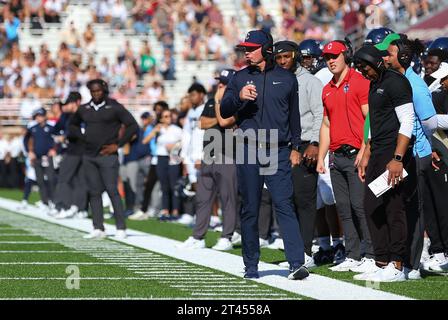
(225, 76)
(145, 115)
(39, 112)
(254, 38)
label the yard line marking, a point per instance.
(68, 262)
(28, 242)
(214, 286)
(238, 294)
(315, 286)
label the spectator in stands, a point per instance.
(100, 11)
(34, 9)
(104, 68)
(11, 25)
(16, 7)
(215, 45)
(140, 17)
(70, 35)
(89, 42)
(154, 93)
(147, 60)
(215, 18)
(119, 15)
(53, 10)
(267, 23)
(167, 67)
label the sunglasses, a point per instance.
(166, 116)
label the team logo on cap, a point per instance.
(329, 46)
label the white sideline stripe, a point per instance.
(39, 251)
(28, 242)
(17, 235)
(71, 263)
(65, 278)
(315, 286)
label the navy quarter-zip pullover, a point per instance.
(276, 105)
(42, 138)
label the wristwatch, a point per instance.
(314, 143)
(398, 157)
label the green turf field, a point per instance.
(42, 260)
(431, 287)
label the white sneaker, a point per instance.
(139, 216)
(218, 228)
(192, 243)
(223, 244)
(367, 276)
(277, 244)
(108, 215)
(434, 263)
(23, 205)
(346, 265)
(309, 262)
(186, 219)
(152, 213)
(82, 215)
(263, 243)
(96, 234)
(366, 266)
(412, 274)
(389, 274)
(214, 221)
(236, 239)
(121, 234)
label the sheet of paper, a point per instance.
(379, 186)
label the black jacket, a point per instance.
(102, 126)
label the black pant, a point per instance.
(45, 178)
(386, 215)
(151, 181)
(436, 208)
(66, 188)
(168, 176)
(415, 211)
(305, 199)
(102, 174)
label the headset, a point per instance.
(267, 49)
(100, 82)
(404, 54)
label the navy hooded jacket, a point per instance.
(276, 105)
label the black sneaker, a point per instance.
(339, 253)
(323, 256)
(299, 273)
(251, 273)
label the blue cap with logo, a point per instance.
(225, 76)
(255, 38)
(39, 112)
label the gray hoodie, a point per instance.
(310, 104)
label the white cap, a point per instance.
(442, 72)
